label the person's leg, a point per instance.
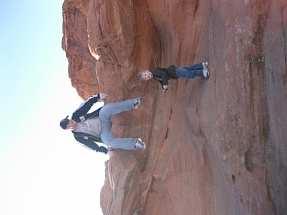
(189, 72)
(197, 66)
(111, 141)
(114, 108)
(107, 135)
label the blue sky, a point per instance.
(43, 169)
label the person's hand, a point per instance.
(111, 152)
(103, 149)
(103, 96)
(165, 88)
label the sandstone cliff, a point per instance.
(215, 146)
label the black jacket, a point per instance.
(80, 115)
(162, 75)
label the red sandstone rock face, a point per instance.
(215, 146)
(75, 44)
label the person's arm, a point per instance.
(86, 105)
(160, 75)
(91, 144)
(164, 79)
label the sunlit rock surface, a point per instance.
(215, 146)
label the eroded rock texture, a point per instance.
(215, 146)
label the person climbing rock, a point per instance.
(89, 128)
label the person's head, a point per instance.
(145, 75)
(67, 124)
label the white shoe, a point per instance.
(137, 102)
(140, 144)
(205, 64)
(205, 73)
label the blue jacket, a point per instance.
(80, 115)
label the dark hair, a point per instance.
(64, 122)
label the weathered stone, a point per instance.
(215, 146)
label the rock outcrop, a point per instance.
(215, 146)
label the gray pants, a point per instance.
(107, 135)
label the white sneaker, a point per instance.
(137, 102)
(204, 64)
(205, 73)
(140, 144)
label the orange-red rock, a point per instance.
(215, 146)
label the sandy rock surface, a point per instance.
(215, 146)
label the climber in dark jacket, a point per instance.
(89, 128)
(162, 75)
